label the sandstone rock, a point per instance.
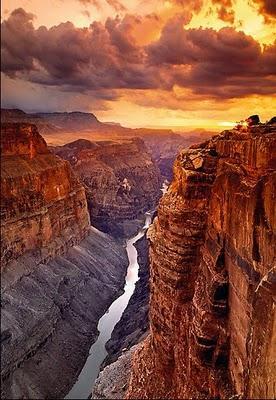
(272, 121)
(212, 287)
(60, 128)
(50, 314)
(43, 204)
(59, 275)
(121, 181)
(113, 381)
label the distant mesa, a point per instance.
(53, 122)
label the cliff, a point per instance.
(36, 187)
(59, 274)
(121, 181)
(212, 285)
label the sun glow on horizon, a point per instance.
(128, 70)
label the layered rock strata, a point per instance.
(50, 314)
(43, 204)
(121, 181)
(212, 304)
(59, 274)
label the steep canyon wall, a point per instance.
(59, 275)
(212, 251)
(43, 204)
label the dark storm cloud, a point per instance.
(99, 57)
(17, 38)
(266, 8)
(223, 63)
(105, 57)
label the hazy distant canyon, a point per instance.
(62, 128)
(68, 207)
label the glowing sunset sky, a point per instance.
(188, 63)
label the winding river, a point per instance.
(83, 386)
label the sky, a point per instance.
(155, 63)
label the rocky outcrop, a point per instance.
(212, 303)
(113, 381)
(43, 204)
(121, 181)
(59, 275)
(164, 145)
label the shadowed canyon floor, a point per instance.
(62, 302)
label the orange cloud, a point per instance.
(267, 8)
(167, 57)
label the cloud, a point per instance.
(101, 56)
(119, 7)
(225, 10)
(192, 5)
(86, 13)
(224, 63)
(104, 58)
(17, 37)
(115, 4)
(266, 8)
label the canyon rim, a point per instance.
(138, 199)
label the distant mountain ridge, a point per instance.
(60, 128)
(55, 121)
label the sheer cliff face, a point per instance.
(43, 205)
(212, 311)
(121, 180)
(59, 274)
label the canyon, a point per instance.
(212, 274)
(120, 179)
(59, 274)
(212, 278)
(200, 323)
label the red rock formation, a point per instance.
(212, 311)
(43, 205)
(121, 180)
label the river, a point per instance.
(83, 386)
